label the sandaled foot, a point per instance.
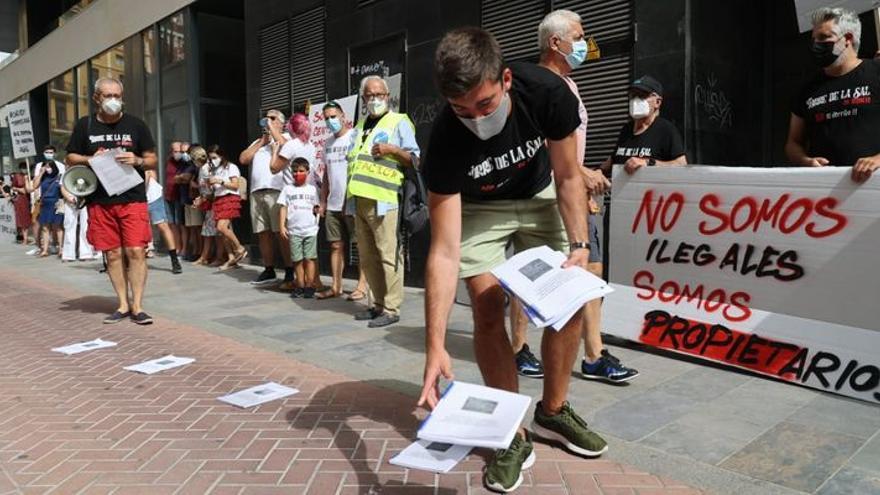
(327, 294)
(356, 295)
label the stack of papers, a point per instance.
(260, 394)
(475, 416)
(436, 457)
(550, 294)
(84, 346)
(156, 365)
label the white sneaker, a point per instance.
(32, 251)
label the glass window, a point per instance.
(172, 39)
(61, 110)
(175, 103)
(151, 79)
(84, 90)
(110, 64)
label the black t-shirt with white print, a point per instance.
(842, 114)
(514, 164)
(660, 141)
(129, 133)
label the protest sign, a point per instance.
(320, 132)
(7, 221)
(772, 270)
(20, 129)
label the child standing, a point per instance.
(299, 226)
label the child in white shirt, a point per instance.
(299, 225)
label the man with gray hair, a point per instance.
(118, 225)
(265, 189)
(385, 142)
(835, 118)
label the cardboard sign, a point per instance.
(772, 270)
(20, 129)
(320, 132)
(7, 221)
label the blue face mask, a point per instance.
(334, 124)
(578, 54)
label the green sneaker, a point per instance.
(504, 472)
(570, 430)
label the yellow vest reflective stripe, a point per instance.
(375, 178)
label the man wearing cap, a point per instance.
(647, 139)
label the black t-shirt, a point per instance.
(514, 164)
(661, 141)
(842, 114)
(129, 133)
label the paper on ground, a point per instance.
(436, 457)
(476, 416)
(257, 395)
(114, 176)
(156, 365)
(84, 346)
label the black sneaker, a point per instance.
(116, 317)
(142, 319)
(298, 293)
(267, 277)
(308, 293)
(367, 314)
(175, 267)
(527, 364)
(608, 369)
(383, 320)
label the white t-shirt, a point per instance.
(225, 173)
(261, 173)
(295, 148)
(335, 151)
(300, 202)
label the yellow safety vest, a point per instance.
(375, 178)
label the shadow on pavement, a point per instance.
(348, 411)
(459, 343)
(90, 304)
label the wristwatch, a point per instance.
(578, 245)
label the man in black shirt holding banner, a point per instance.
(836, 118)
(119, 225)
(488, 172)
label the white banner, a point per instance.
(20, 129)
(772, 270)
(7, 221)
(320, 132)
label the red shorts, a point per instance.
(119, 225)
(227, 207)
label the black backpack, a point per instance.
(413, 203)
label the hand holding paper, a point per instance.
(115, 177)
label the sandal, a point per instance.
(356, 295)
(327, 294)
(240, 256)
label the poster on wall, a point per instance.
(771, 270)
(384, 57)
(320, 132)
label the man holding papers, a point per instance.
(119, 147)
(488, 171)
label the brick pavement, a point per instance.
(82, 424)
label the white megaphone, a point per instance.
(80, 181)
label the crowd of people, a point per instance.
(504, 172)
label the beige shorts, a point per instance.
(264, 210)
(339, 226)
(488, 226)
(192, 216)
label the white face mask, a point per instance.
(639, 108)
(215, 162)
(111, 106)
(490, 125)
(49, 155)
(177, 155)
(377, 106)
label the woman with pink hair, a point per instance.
(298, 147)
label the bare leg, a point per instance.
(137, 276)
(518, 325)
(178, 244)
(337, 266)
(285, 253)
(44, 240)
(310, 272)
(491, 345)
(593, 321)
(24, 236)
(184, 240)
(58, 231)
(559, 350)
(167, 235)
(116, 272)
(299, 269)
(267, 247)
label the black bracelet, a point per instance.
(578, 245)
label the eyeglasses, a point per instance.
(370, 96)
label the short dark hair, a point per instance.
(299, 162)
(49, 147)
(465, 58)
(332, 104)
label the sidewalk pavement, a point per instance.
(87, 423)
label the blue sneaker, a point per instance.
(527, 364)
(608, 369)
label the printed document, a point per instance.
(114, 176)
(551, 294)
(84, 346)
(257, 395)
(156, 365)
(436, 457)
(475, 416)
